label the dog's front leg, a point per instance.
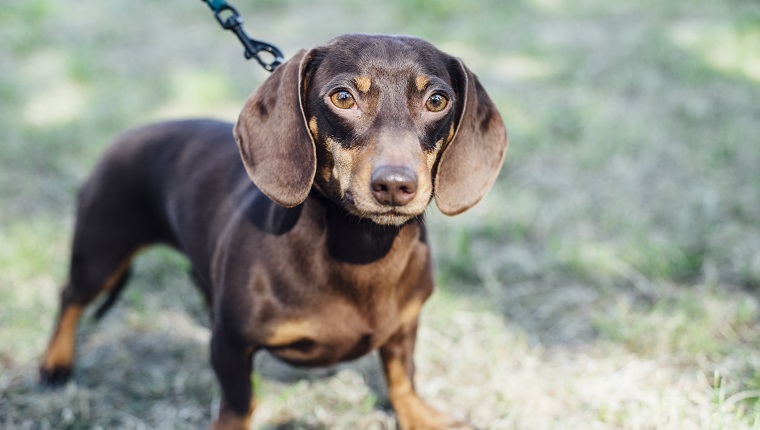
(233, 365)
(398, 363)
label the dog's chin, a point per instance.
(389, 218)
(386, 215)
(383, 215)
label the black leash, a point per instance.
(234, 23)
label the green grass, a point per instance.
(610, 279)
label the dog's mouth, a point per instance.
(391, 217)
(385, 215)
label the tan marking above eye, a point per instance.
(363, 83)
(421, 82)
(436, 102)
(342, 99)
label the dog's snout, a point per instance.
(394, 185)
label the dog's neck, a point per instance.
(350, 238)
(353, 239)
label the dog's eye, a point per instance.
(343, 99)
(437, 102)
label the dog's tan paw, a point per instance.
(461, 425)
(414, 414)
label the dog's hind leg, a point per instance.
(93, 271)
(89, 276)
(112, 225)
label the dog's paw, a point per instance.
(441, 422)
(461, 425)
(414, 414)
(55, 376)
(451, 424)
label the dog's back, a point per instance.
(160, 183)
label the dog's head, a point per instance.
(379, 124)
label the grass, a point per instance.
(609, 281)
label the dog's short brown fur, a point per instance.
(325, 258)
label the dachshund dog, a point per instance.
(313, 247)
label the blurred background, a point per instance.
(609, 281)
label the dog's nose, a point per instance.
(394, 185)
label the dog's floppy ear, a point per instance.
(276, 147)
(471, 162)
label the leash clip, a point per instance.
(234, 22)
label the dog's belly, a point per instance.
(337, 334)
(309, 352)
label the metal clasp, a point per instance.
(234, 22)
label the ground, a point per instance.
(609, 281)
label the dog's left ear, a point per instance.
(471, 162)
(276, 147)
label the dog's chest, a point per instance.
(347, 313)
(303, 297)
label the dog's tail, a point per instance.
(113, 295)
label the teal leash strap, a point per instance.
(216, 5)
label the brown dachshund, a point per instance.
(323, 257)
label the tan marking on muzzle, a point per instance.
(342, 164)
(313, 127)
(432, 156)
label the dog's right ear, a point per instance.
(276, 147)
